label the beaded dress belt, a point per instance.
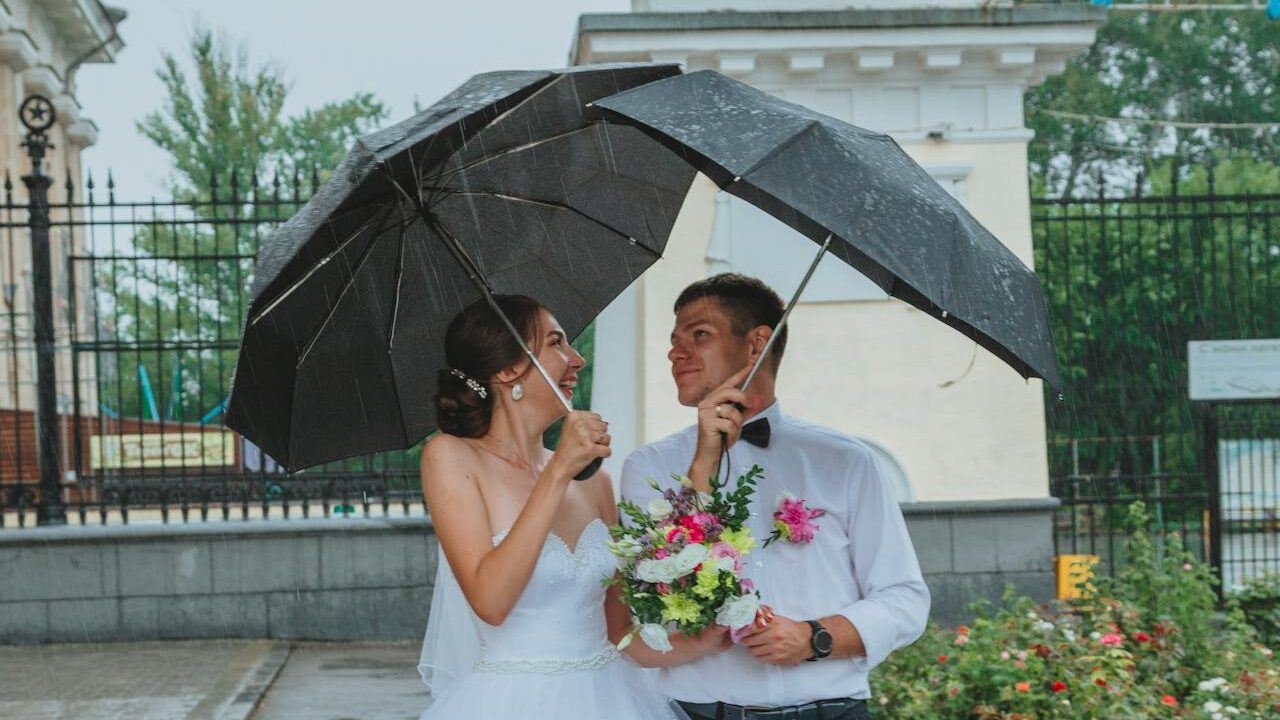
(550, 666)
(817, 710)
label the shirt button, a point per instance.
(759, 563)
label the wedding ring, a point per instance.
(719, 411)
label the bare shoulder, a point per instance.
(448, 454)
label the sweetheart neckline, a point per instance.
(552, 534)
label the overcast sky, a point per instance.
(396, 49)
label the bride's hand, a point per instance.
(714, 639)
(583, 438)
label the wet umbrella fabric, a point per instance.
(510, 178)
(887, 217)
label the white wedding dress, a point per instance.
(551, 659)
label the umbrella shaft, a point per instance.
(783, 320)
(477, 277)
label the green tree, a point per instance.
(240, 165)
(1214, 66)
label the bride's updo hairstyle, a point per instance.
(478, 346)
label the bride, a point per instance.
(520, 624)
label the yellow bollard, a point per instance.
(1072, 570)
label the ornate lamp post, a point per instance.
(37, 115)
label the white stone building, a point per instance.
(947, 83)
(963, 434)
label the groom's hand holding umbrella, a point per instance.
(720, 418)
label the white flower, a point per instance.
(1070, 636)
(659, 508)
(655, 636)
(738, 612)
(1212, 706)
(1095, 635)
(1231, 710)
(684, 481)
(689, 558)
(1211, 684)
(657, 571)
(625, 547)
(723, 564)
(1217, 716)
(1044, 626)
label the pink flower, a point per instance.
(724, 549)
(704, 520)
(747, 585)
(798, 518)
(1111, 639)
(1022, 654)
(664, 589)
(961, 640)
(661, 553)
(1004, 655)
(695, 535)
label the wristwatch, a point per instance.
(821, 641)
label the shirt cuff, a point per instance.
(876, 627)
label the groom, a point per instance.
(839, 603)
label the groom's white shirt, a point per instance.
(861, 564)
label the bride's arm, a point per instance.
(683, 649)
(491, 578)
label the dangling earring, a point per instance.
(517, 391)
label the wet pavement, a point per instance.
(211, 680)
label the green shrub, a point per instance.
(1148, 642)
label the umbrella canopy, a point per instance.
(887, 217)
(511, 181)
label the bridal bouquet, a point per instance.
(680, 561)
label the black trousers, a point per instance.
(861, 711)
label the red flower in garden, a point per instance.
(1022, 687)
(696, 535)
(1059, 686)
(953, 691)
(963, 630)
(1142, 637)
(942, 658)
(1042, 651)
(1169, 700)
(1100, 682)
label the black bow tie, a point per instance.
(757, 432)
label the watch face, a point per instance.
(822, 642)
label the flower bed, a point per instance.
(1149, 642)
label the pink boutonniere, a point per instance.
(793, 521)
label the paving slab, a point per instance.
(347, 681)
(177, 680)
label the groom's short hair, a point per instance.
(748, 303)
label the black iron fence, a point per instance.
(1130, 280)
(148, 300)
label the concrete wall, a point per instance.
(303, 579)
(372, 579)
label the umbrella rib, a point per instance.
(812, 124)
(355, 272)
(557, 206)
(284, 295)
(391, 332)
(510, 151)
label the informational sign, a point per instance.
(1234, 369)
(168, 450)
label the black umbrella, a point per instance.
(510, 184)
(880, 211)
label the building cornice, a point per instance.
(1034, 14)
(18, 50)
(87, 24)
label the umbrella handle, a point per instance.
(589, 470)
